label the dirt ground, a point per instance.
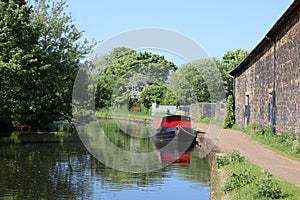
(227, 140)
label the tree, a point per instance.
(125, 74)
(229, 61)
(61, 41)
(230, 116)
(196, 81)
(40, 54)
(19, 64)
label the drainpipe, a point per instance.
(273, 103)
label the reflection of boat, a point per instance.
(174, 158)
(170, 127)
(171, 152)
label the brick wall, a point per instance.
(254, 84)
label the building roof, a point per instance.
(267, 42)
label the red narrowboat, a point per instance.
(173, 127)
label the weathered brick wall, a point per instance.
(288, 80)
(256, 81)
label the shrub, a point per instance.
(251, 128)
(221, 161)
(232, 157)
(268, 187)
(229, 117)
(235, 157)
(236, 181)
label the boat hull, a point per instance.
(181, 137)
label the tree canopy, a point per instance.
(193, 82)
(128, 77)
(126, 73)
(39, 58)
(230, 60)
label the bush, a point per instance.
(232, 157)
(268, 187)
(229, 117)
(221, 161)
(236, 181)
(251, 128)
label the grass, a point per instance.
(207, 120)
(107, 113)
(244, 180)
(286, 144)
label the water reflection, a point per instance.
(119, 150)
(66, 170)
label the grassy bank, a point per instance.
(108, 113)
(207, 120)
(286, 144)
(240, 179)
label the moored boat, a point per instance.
(169, 128)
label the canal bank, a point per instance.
(215, 176)
(284, 168)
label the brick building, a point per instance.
(267, 82)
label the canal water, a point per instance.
(60, 167)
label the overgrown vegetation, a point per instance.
(244, 180)
(287, 144)
(229, 117)
(236, 181)
(269, 187)
(125, 75)
(230, 158)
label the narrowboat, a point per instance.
(173, 128)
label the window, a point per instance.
(270, 105)
(247, 109)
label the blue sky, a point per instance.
(216, 25)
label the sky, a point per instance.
(216, 25)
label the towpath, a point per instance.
(227, 140)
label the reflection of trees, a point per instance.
(129, 136)
(119, 150)
(197, 171)
(36, 170)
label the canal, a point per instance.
(49, 167)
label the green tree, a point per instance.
(197, 81)
(229, 61)
(61, 41)
(19, 65)
(125, 74)
(39, 59)
(154, 93)
(230, 116)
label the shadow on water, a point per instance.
(37, 169)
